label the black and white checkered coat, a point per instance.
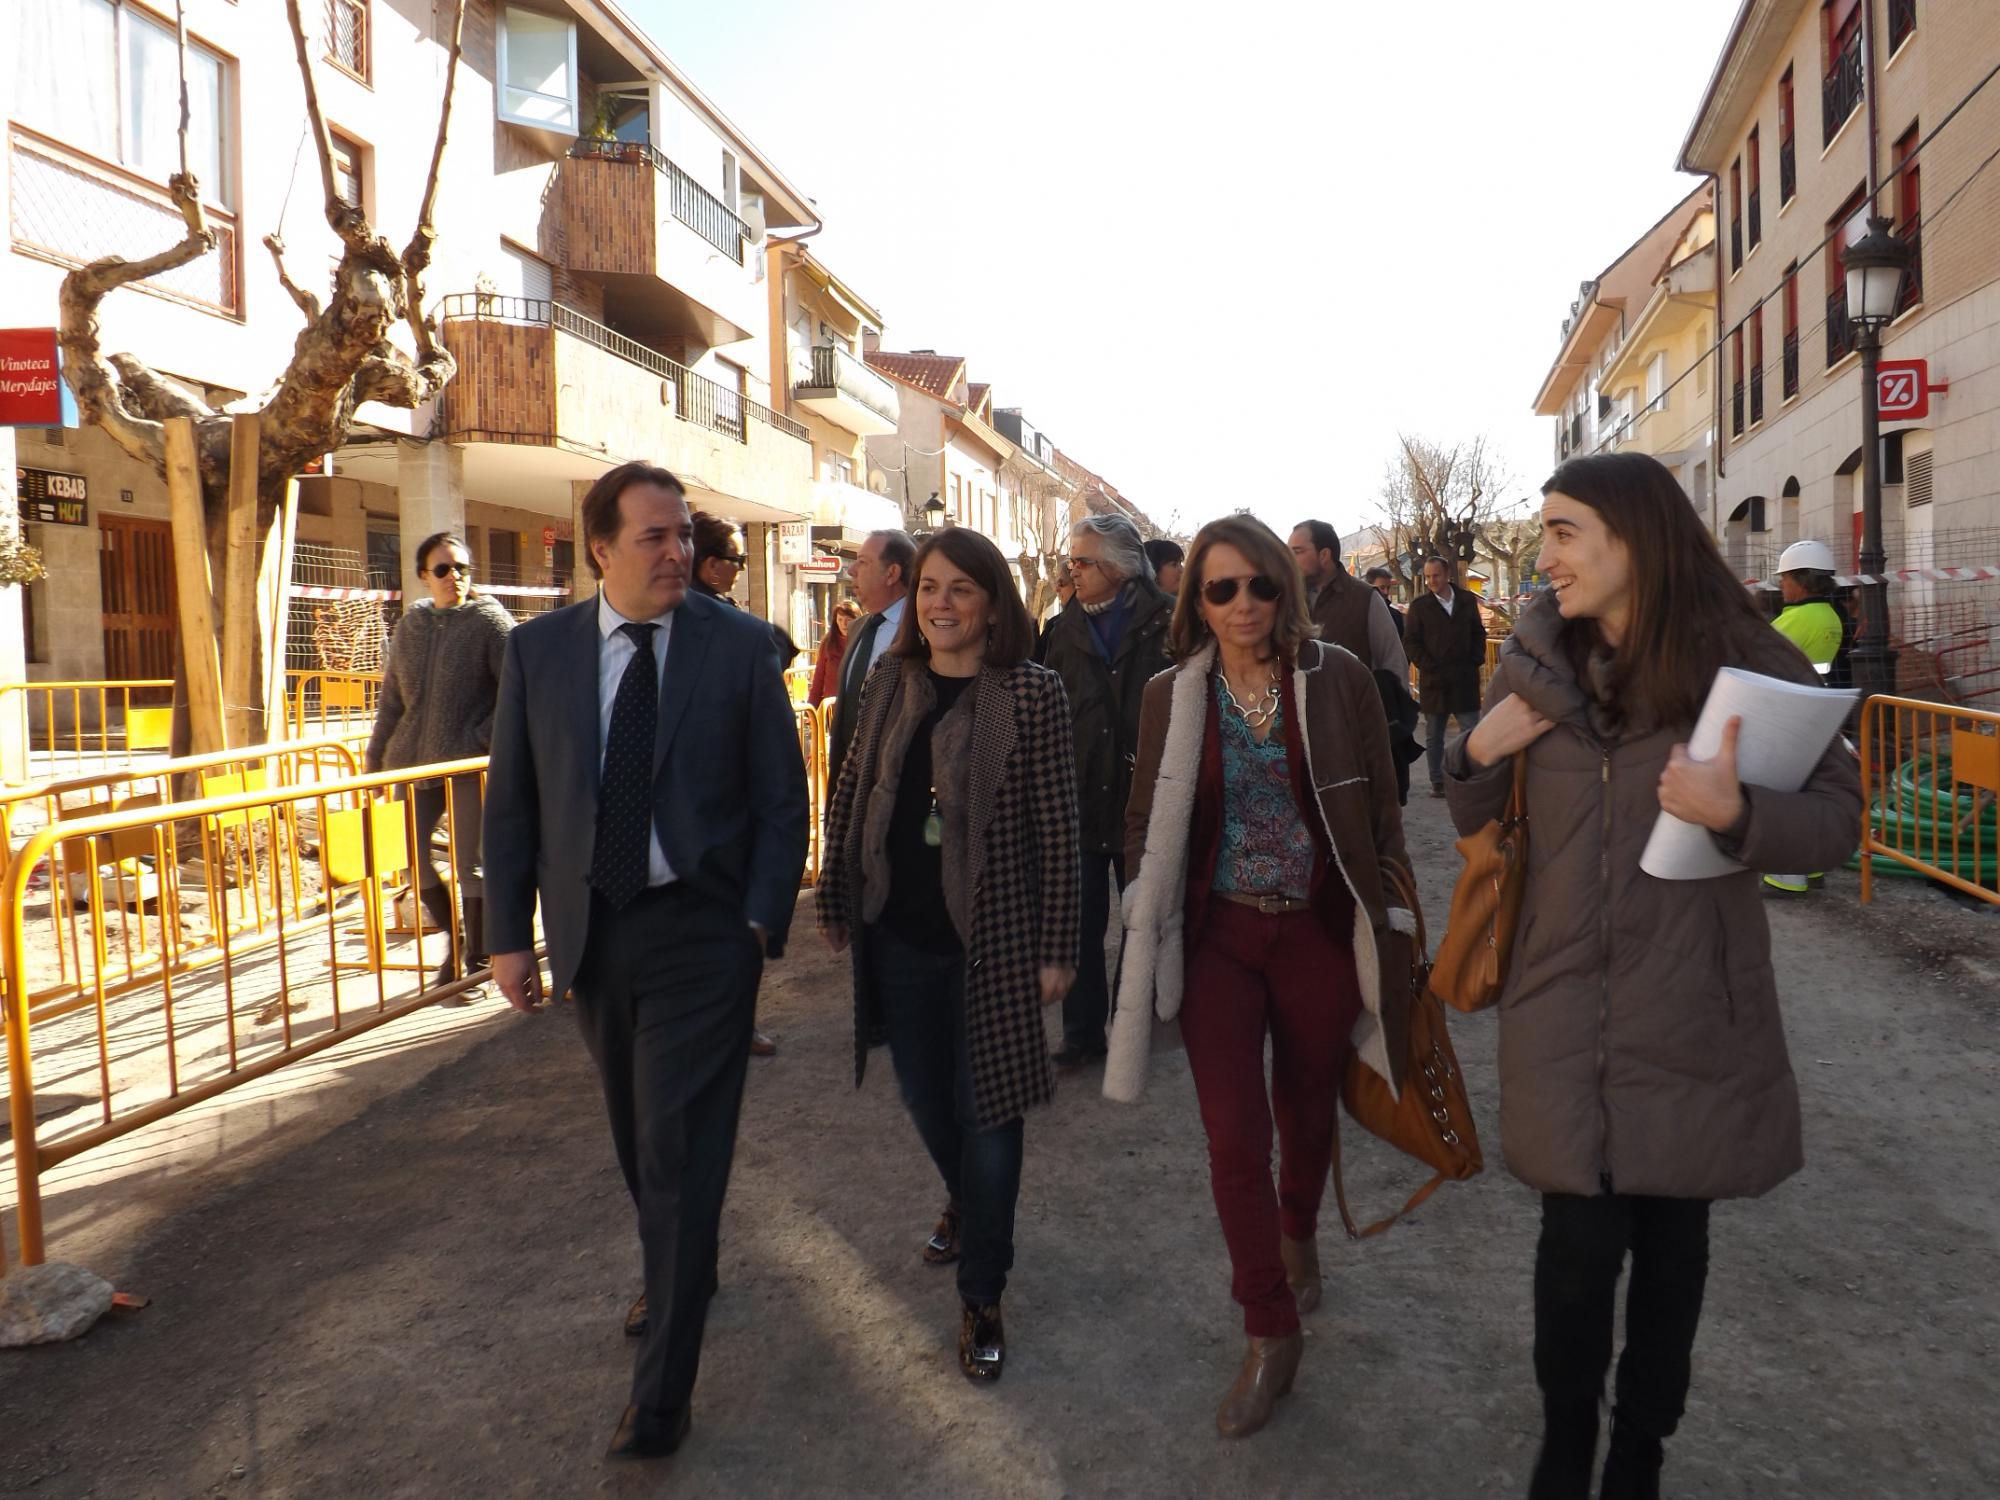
(1021, 866)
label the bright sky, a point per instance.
(1224, 258)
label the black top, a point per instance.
(915, 910)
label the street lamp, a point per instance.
(934, 512)
(1875, 267)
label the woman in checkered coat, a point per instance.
(951, 871)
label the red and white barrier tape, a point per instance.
(513, 590)
(1984, 574)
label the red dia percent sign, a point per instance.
(1903, 390)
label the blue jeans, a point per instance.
(923, 1002)
(1434, 739)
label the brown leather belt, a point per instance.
(1270, 906)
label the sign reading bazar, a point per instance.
(795, 547)
(30, 379)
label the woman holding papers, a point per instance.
(1643, 1071)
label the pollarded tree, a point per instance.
(343, 356)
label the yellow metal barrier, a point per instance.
(815, 726)
(290, 941)
(1930, 777)
(59, 941)
(332, 703)
(91, 724)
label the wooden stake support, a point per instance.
(241, 688)
(196, 595)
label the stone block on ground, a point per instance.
(46, 1304)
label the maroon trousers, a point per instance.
(1249, 975)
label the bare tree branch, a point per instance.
(417, 257)
(346, 219)
(306, 301)
(150, 394)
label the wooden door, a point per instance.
(136, 573)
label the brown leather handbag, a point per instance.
(1471, 966)
(1432, 1119)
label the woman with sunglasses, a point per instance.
(1643, 1070)
(439, 685)
(1263, 817)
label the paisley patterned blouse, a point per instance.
(1266, 848)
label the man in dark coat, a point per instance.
(1357, 617)
(1105, 646)
(646, 790)
(1446, 640)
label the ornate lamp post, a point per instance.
(1875, 265)
(933, 512)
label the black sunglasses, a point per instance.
(1222, 590)
(731, 558)
(446, 569)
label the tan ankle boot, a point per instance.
(1301, 1258)
(1268, 1368)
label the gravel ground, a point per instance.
(423, 1297)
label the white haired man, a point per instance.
(1105, 645)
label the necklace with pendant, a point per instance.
(1260, 711)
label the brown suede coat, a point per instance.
(1344, 740)
(1640, 1035)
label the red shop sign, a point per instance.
(30, 379)
(1903, 390)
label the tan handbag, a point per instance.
(1432, 1120)
(1471, 966)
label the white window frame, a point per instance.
(502, 86)
(732, 181)
(1656, 382)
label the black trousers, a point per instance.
(665, 997)
(427, 805)
(1087, 1006)
(923, 1002)
(1577, 1264)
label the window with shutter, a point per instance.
(1917, 478)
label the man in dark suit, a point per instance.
(1447, 642)
(645, 782)
(881, 579)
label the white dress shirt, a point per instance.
(854, 672)
(1446, 598)
(615, 650)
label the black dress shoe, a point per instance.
(635, 1319)
(982, 1342)
(1074, 1055)
(643, 1435)
(943, 1247)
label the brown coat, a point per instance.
(1018, 869)
(1640, 1034)
(1346, 745)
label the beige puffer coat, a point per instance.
(1640, 1035)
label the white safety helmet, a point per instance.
(1806, 557)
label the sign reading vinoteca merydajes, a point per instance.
(30, 378)
(53, 498)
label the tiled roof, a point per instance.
(934, 373)
(975, 396)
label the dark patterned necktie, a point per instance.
(619, 863)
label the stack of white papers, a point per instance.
(1786, 729)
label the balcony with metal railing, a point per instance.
(666, 246)
(838, 386)
(1791, 364)
(1756, 394)
(1736, 244)
(1912, 235)
(1736, 410)
(1902, 22)
(1788, 170)
(534, 373)
(1840, 95)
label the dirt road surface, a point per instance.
(417, 1290)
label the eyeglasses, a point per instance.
(1221, 590)
(1083, 562)
(446, 569)
(731, 558)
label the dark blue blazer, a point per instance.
(729, 790)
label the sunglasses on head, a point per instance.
(446, 569)
(1221, 590)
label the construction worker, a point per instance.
(1813, 622)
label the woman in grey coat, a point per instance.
(1643, 1070)
(439, 686)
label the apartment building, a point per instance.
(599, 275)
(945, 445)
(1591, 389)
(822, 333)
(1817, 111)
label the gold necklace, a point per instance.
(1261, 710)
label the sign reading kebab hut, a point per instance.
(30, 378)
